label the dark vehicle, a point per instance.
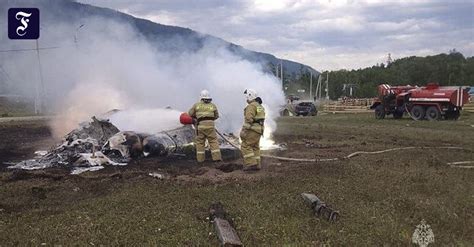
(306, 109)
(291, 98)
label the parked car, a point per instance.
(290, 98)
(306, 109)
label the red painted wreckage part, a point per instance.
(431, 102)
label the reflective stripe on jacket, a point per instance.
(254, 115)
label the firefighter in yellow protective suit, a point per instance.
(252, 130)
(205, 113)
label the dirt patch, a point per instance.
(229, 167)
(52, 174)
(19, 140)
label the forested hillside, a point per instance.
(446, 69)
(451, 69)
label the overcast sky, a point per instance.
(325, 34)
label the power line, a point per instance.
(4, 76)
(32, 49)
(4, 73)
(40, 90)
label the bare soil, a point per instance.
(20, 139)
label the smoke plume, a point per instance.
(101, 64)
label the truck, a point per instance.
(430, 102)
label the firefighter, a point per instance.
(252, 130)
(205, 113)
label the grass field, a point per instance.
(381, 198)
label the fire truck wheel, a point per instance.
(417, 112)
(379, 112)
(456, 115)
(452, 115)
(397, 115)
(433, 114)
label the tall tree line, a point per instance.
(451, 69)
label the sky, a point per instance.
(325, 34)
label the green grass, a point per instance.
(381, 198)
(19, 111)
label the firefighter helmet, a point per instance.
(250, 94)
(205, 94)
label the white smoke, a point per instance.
(156, 120)
(112, 66)
(82, 102)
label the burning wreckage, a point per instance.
(99, 142)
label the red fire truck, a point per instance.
(431, 102)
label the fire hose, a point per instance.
(408, 112)
(453, 164)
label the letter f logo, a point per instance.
(23, 23)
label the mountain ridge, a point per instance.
(156, 31)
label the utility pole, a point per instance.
(320, 81)
(281, 71)
(39, 88)
(389, 59)
(317, 93)
(327, 86)
(75, 35)
(311, 86)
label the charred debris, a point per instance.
(99, 143)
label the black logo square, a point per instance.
(23, 23)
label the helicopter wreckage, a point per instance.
(98, 143)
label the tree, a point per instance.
(445, 69)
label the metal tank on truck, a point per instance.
(431, 102)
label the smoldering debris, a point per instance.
(164, 143)
(99, 143)
(98, 129)
(81, 148)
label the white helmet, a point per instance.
(250, 94)
(205, 94)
